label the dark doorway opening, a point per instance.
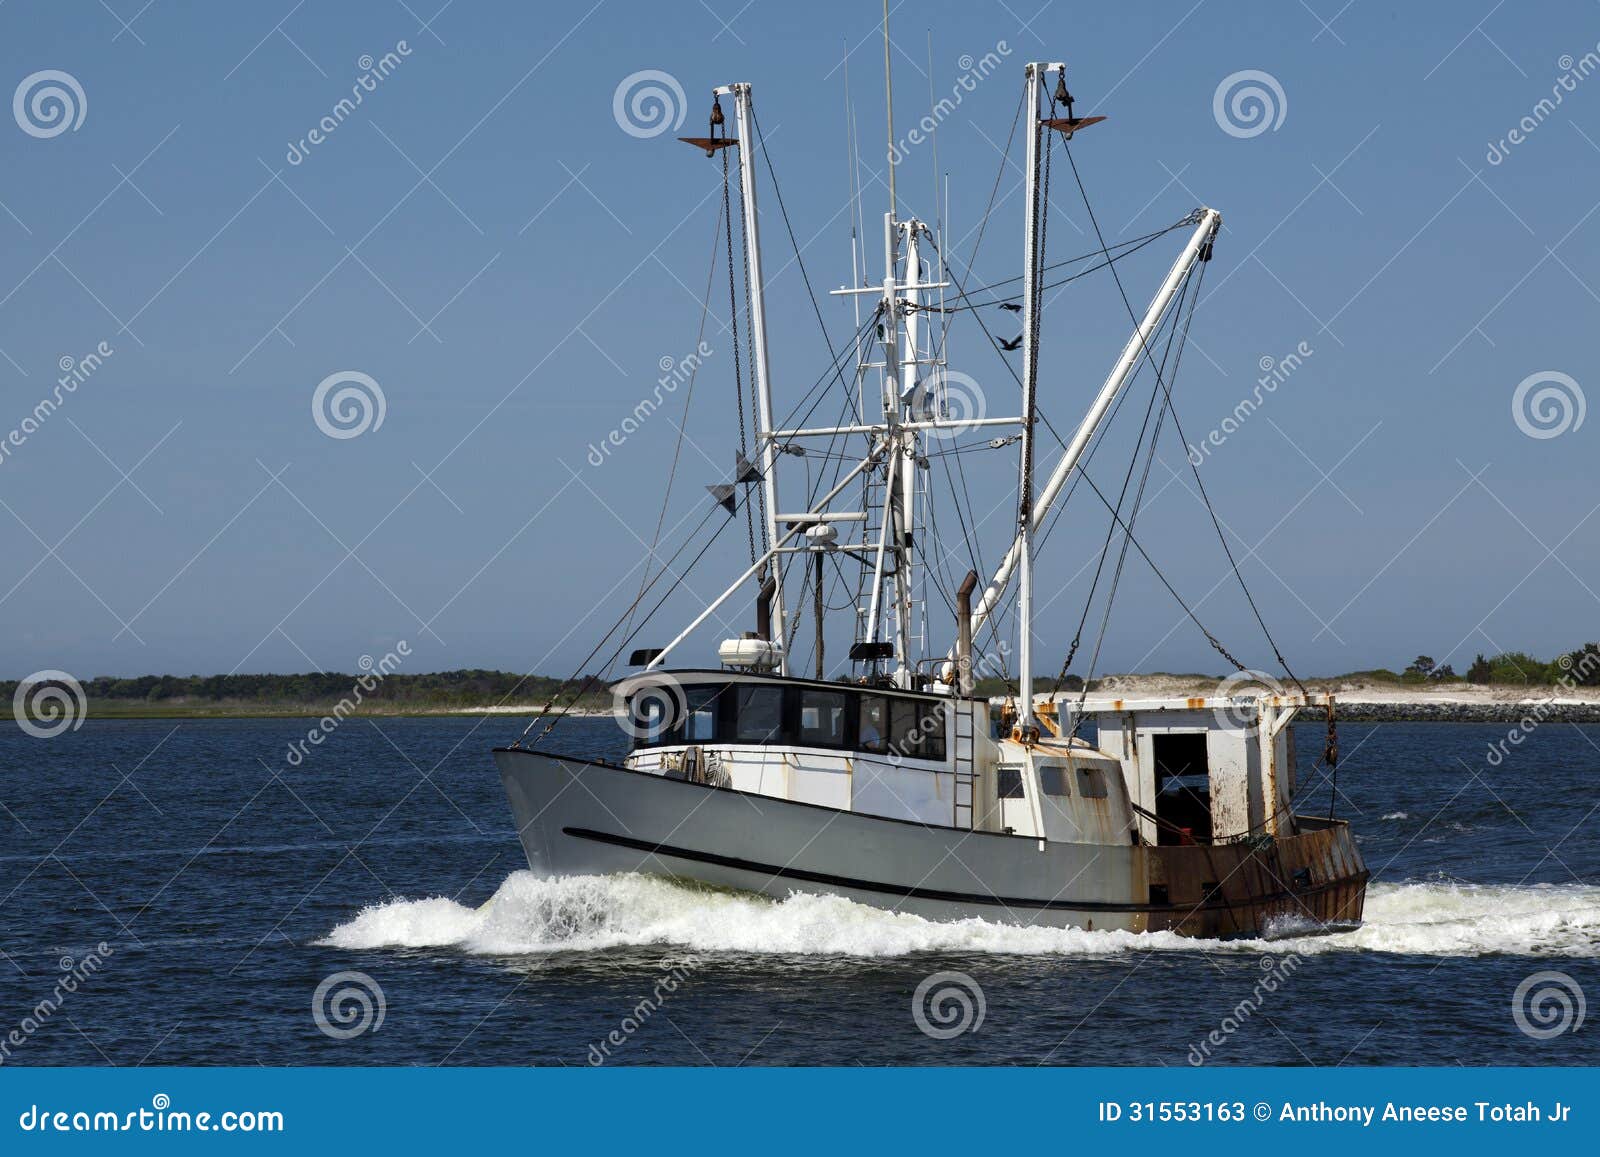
(1183, 788)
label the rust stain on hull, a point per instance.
(1237, 890)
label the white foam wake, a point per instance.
(529, 914)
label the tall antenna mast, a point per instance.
(888, 96)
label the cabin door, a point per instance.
(1183, 787)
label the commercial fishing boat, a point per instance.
(887, 779)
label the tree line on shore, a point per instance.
(465, 688)
(478, 687)
(1579, 668)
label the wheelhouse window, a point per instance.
(760, 714)
(903, 727)
(839, 717)
(822, 716)
(651, 717)
(700, 716)
(930, 728)
(916, 729)
(1053, 781)
(1008, 783)
(874, 731)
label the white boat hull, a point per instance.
(578, 817)
(583, 817)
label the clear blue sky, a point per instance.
(483, 239)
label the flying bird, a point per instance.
(1012, 344)
(1012, 306)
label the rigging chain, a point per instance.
(733, 323)
(750, 374)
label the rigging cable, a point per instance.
(1111, 528)
(1138, 498)
(688, 397)
(1129, 248)
(1005, 154)
(626, 615)
(750, 367)
(1205, 498)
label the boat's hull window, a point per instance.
(822, 717)
(760, 714)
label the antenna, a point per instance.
(853, 163)
(933, 141)
(888, 96)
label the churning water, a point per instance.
(230, 886)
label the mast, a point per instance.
(1033, 74)
(905, 492)
(766, 448)
(899, 363)
(901, 417)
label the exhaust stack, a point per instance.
(964, 680)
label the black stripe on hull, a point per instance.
(916, 893)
